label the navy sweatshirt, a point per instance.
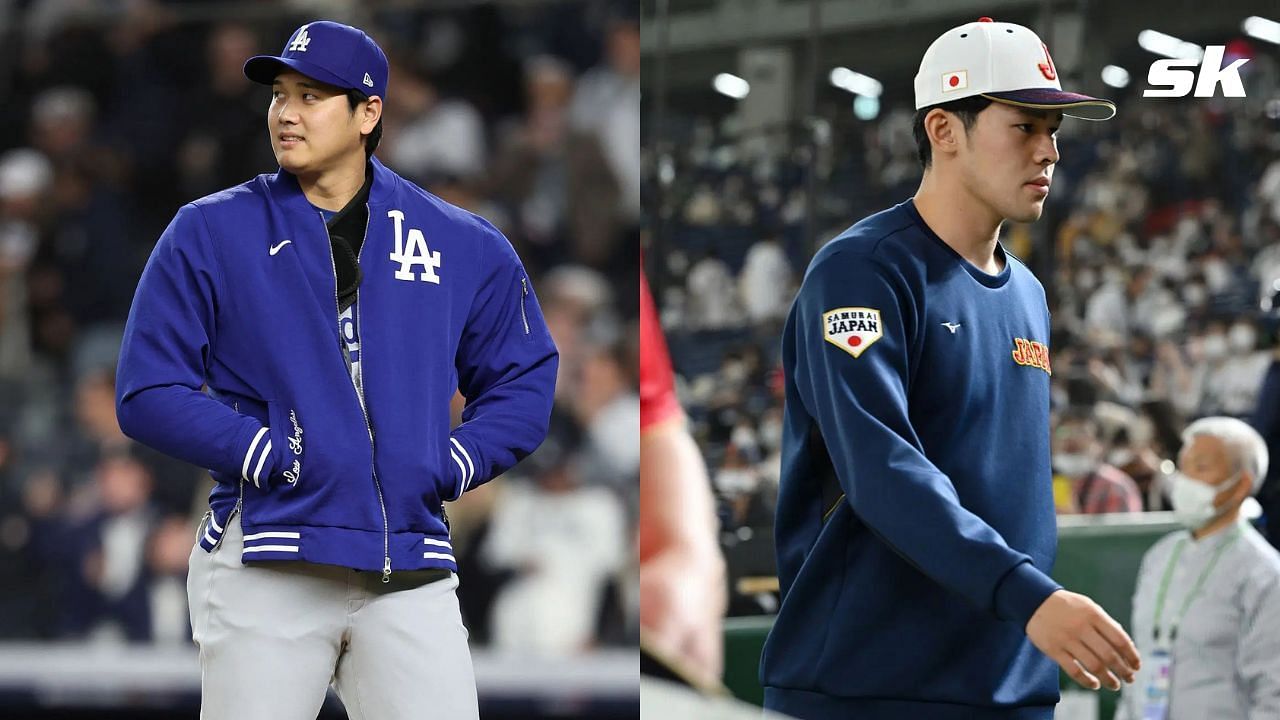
(915, 526)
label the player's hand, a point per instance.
(1083, 639)
(682, 603)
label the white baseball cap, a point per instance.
(1003, 62)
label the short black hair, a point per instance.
(354, 98)
(966, 109)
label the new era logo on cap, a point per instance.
(953, 81)
(368, 80)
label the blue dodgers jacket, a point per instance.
(915, 527)
(239, 296)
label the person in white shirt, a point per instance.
(1206, 611)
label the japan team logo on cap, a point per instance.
(852, 329)
(953, 81)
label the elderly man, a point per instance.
(1206, 611)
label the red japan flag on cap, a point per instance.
(953, 81)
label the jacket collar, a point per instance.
(284, 188)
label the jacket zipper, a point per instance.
(524, 293)
(386, 527)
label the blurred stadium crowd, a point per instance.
(1159, 250)
(116, 114)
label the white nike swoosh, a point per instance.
(276, 248)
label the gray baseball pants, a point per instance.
(273, 636)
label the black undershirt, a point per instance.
(346, 234)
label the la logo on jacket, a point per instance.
(417, 253)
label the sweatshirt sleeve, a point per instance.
(168, 339)
(506, 366)
(856, 387)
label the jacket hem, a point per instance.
(347, 547)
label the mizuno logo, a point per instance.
(953, 327)
(276, 248)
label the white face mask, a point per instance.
(1216, 346)
(1242, 338)
(1072, 465)
(1193, 500)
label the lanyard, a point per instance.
(1195, 589)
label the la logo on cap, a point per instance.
(953, 81)
(301, 42)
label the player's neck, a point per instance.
(962, 221)
(333, 188)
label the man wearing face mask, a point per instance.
(1207, 605)
(1094, 486)
(1231, 388)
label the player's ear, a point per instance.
(371, 114)
(944, 130)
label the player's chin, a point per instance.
(1027, 212)
(291, 160)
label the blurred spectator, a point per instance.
(1094, 486)
(1231, 387)
(555, 179)
(25, 176)
(711, 294)
(106, 535)
(765, 285)
(564, 539)
(433, 137)
(608, 410)
(607, 103)
(224, 143)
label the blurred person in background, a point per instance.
(712, 300)
(437, 137)
(107, 532)
(765, 285)
(563, 538)
(1231, 386)
(26, 176)
(607, 409)
(683, 591)
(1207, 602)
(606, 102)
(1093, 486)
(554, 178)
(222, 144)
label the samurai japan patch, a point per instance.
(852, 329)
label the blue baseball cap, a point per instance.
(330, 52)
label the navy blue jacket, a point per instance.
(239, 297)
(915, 525)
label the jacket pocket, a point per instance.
(288, 441)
